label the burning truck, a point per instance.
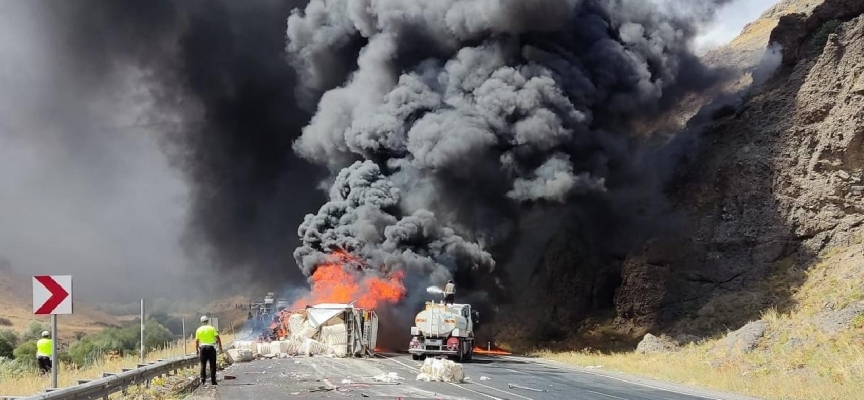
(334, 329)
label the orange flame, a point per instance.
(332, 283)
(495, 352)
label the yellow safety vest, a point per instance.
(206, 334)
(43, 348)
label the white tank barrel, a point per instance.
(439, 320)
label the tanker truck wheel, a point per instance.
(470, 353)
(415, 357)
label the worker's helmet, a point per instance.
(204, 318)
(45, 334)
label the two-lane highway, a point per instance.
(492, 377)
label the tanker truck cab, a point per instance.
(444, 329)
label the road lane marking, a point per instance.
(604, 394)
(518, 372)
(620, 379)
(458, 386)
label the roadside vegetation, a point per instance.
(87, 357)
(812, 348)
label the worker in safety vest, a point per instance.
(206, 339)
(43, 352)
(449, 292)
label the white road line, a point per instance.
(515, 371)
(625, 380)
(604, 394)
(461, 387)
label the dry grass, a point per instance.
(794, 360)
(33, 383)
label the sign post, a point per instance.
(52, 295)
(184, 336)
(142, 331)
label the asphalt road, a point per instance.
(490, 378)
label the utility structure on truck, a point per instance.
(444, 329)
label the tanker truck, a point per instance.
(444, 329)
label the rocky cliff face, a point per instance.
(775, 182)
(775, 179)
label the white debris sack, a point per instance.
(438, 370)
(266, 348)
(311, 347)
(389, 378)
(295, 322)
(336, 337)
(239, 355)
(245, 345)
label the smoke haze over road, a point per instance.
(187, 139)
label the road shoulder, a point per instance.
(642, 381)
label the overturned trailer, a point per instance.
(360, 327)
(323, 329)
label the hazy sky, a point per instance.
(731, 21)
(83, 191)
(79, 194)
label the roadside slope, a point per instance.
(816, 349)
(16, 306)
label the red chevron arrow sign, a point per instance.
(52, 294)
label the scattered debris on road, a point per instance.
(440, 370)
(484, 378)
(515, 386)
(389, 378)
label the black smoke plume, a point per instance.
(484, 114)
(223, 96)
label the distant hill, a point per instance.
(16, 306)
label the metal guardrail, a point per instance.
(113, 382)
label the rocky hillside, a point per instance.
(741, 58)
(776, 183)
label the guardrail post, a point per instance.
(115, 382)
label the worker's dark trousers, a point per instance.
(208, 355)
(44, 364)
(448, 299)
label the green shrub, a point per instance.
(819, 38)
(9, 336)
(156, 336)
(84, 352)
(174, 324)
(7, 350)
(123, 341)
(25, 354)
(34, 331)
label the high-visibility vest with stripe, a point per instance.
(207, 334)
(43, 348)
